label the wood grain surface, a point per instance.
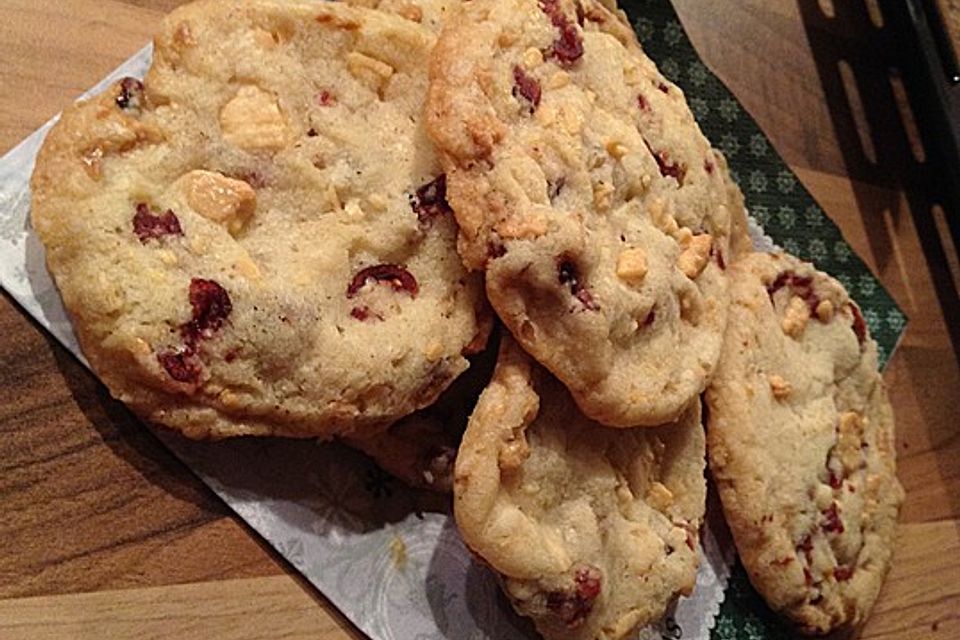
(103, 534)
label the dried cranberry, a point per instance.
(573, 605)
(364, 313)
(526, 87)
(801, 286)
(180, 365)
(211, 306)
(568, 275)
(131, 94)
(148, 226)
(709, 166)
(326, 99)
(568, 47)
(396, 276)
(859, 324)
(668, 169)
(430, 200)
(835, 481)
(831, 520)
(663, 87)
(843, 573)
(643, 103)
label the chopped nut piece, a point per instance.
(220, 199)
(695, 257)
(825, 311)
(780, 387)
(632, 266)
(659, 497)
(795, 319)
(253, 121)
(434, 351)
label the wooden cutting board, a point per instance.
(105, 535)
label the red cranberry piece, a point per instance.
(801, 286)
(180, 365)
(573, 605)
(430, 200)
(709, 166)
(526, 87)
(131, 94)
(211, 307)
(668, 168)
(568, 47)
(326, 99)
(364, 313)
(396, 276)
(831, 520)
(859, 324)
(843, 573)
(663, 87)
(643, 103)
(580, 13)
(568, 275)
(835, 481)
(148, 226)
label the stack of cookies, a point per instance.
(306, 220)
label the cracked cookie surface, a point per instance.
(801, 444)
(592, 530)
(586, 192)
(245, 239)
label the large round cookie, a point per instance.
(585, 190)
(592, 530)
(256, 240)
(801, 444)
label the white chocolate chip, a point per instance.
(796, 317)
(369, 71)
(695, 256)
(632, 265)
(558, 80)
(218, 198)
(532, 58)
(616, 149)
(603, 195)
(825, 311)
(659, 497)
(434, 351)
(253, 121)
(780, 387)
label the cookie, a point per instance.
(586, 192)
(592, 530)
(801, 444)
(255, 240)
(421, 449)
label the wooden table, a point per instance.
(103, 534)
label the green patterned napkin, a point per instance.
(788, 214)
